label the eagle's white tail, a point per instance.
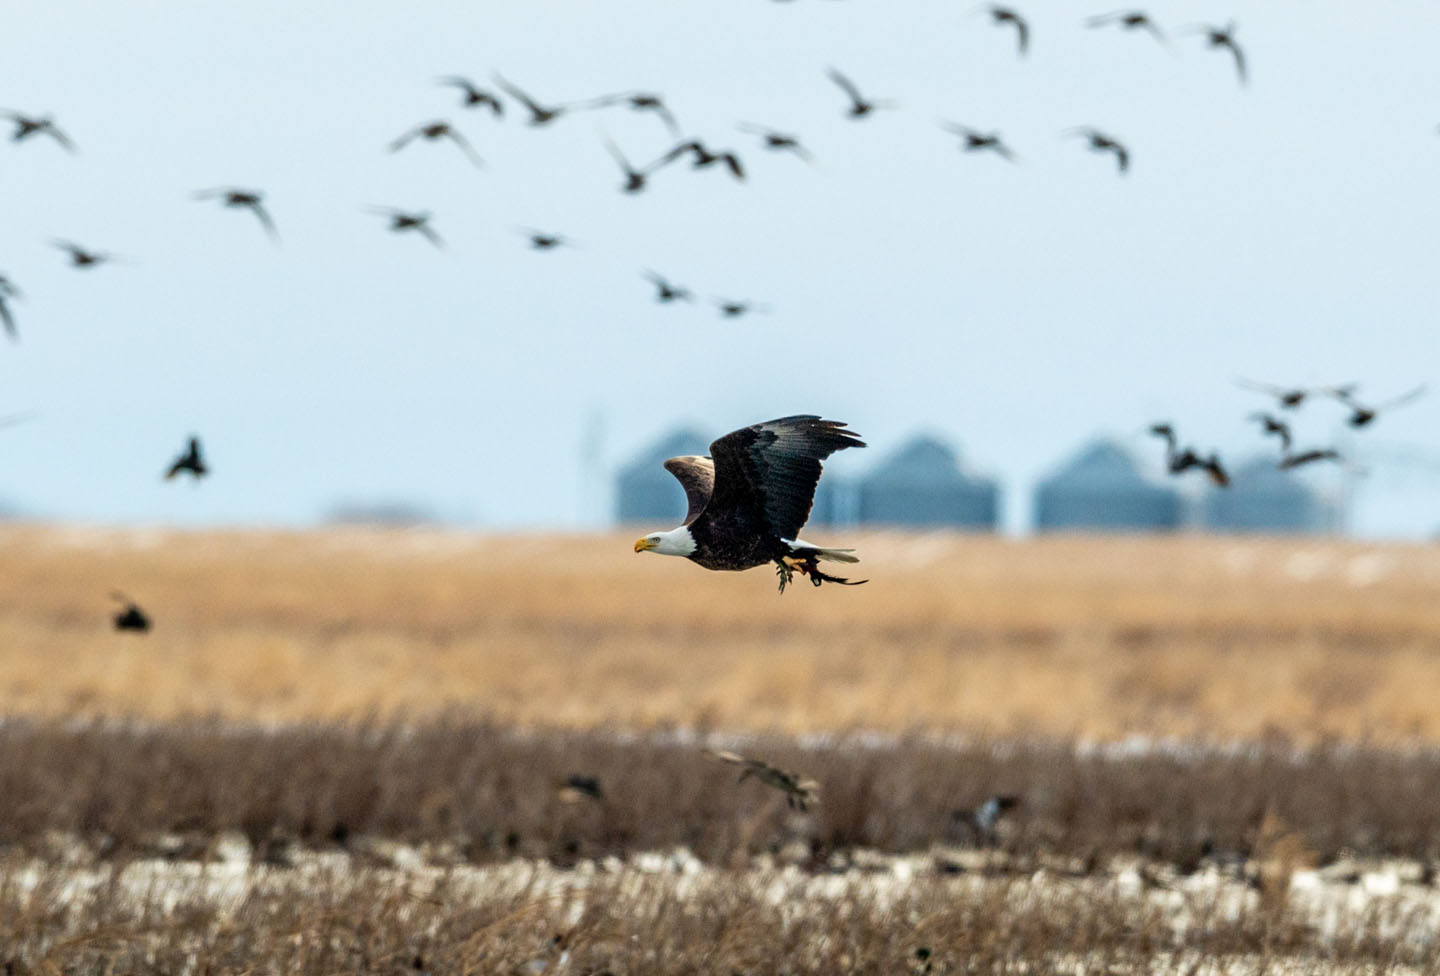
(838, 555)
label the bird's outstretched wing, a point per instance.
(697, 476)
(771, 469)
(8, 321)
(847, 85)
(263, 216)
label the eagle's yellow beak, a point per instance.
(643, 544)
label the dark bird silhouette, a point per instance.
(472, 96)
(701, 157)
(1363, 416)
(130, 617)
(981, 821)
(418, 221)
(1308, 457)
(1128, 20)
(1273, 427)
(732, 309)
(1005, 15)
(778, 141)
(859, 105)
(640, 102)
(438, 130)
(1100, 142)
(189, 461)
(8, 291)
(578, 788)
(665, 292)
(1218, 37)
(1179, 461)
(976, 141)
(1291, 397)
(249, 199)
(81, 258)
(27, 126)
(541, 241)
(539, 114)
(634, 178)
(799, 791)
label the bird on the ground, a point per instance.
(539, 114)
(1290, 397)
(542, 241)
(1005, 15)
(8, 291)
(981, 821)
(27, 126)
(1362, 415)
(472, 96)
(1222, 37)
(130, 617)
(251, 200)
(665, 291)
(417, 221)
(639, 101)
(975, 140)
(1278, 428)
(776, 140)
(1128, 20)
(190, 461)
(438, 130)
(799, 791)
(1178, 461)
(859, 105)
(81, 257)
(702, 156)
(748, 500)
(578, 788)
(634, 178)
(1100, 142)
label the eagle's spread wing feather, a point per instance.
(697, 476)
(771, 469)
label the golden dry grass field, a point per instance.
(1216, 638)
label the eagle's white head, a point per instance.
(676, 542)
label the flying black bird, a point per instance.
(130, 617)
(1222, 37)
(634, 178)
(539, 114)
(1128, 20)
(749, 499)
(665, 292)
(777, 140)
(976, 141)
(1005, 15)
(701, 157)
(438, 130)
(1179, 461)
(799, 791)
(81, 258)
(1275, 427)
(418, 221)
(7, 319)
(472, 96)
(189, 461)
(1363, 416)
(1291, 397)
(27, 126)
(250, 199)
(859, 105)
(1100, 142)
(541, 241)
(640, 102)
(732, 309)
(1307, 457)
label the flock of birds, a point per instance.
(700, 153)
(1180, 459)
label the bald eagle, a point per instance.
(750, 496)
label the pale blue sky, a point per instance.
(1286, 231)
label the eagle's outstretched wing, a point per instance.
(770, 470)
(697, 476)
